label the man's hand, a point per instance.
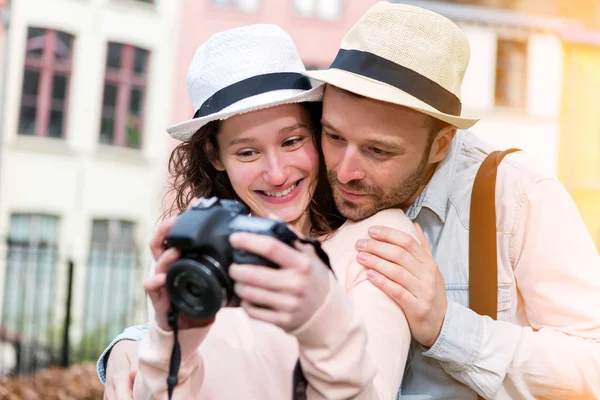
(406, 271)
(120, 370)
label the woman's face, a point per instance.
(271, 160)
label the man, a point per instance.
(390, 117)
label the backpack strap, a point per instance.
(483, 253)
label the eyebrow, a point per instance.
(327, 125)
(389, 144)
(284, 130)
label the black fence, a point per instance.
(55, 312)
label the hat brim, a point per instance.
(185, 130)
(373, 89)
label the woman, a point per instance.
(254, 138)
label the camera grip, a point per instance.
(243, 257)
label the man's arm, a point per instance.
(557, 270)
(118, 361)
(124, 359)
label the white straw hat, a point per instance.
(404, 55)
(241, 70)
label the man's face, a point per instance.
(377, 154)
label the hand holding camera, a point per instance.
(203, 251)
(287, 297)
(155, 285)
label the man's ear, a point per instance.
(213, 156)
(441, 144)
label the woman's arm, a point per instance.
(367, 366)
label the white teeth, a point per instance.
(281, 194)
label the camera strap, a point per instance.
(319, 250)
(175, 353)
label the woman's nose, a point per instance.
(276, 171)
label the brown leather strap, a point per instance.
(483, 255)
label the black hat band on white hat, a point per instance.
(249, 87)
(386, 71)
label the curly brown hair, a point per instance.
(193, 175)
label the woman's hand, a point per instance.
(287, 297)
(155, 285)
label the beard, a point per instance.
(378, 198)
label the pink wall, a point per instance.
(317, 40)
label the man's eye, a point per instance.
(333, 137)
(379, 152)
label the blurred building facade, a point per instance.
(86, 95)
(88, 87)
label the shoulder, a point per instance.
(354, 230)
(517, 175)
(520, 165)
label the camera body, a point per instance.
(198, 283)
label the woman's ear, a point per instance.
(213, 156)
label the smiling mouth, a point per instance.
(282, 193)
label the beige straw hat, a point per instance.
(404, 55)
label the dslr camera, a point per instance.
(198, 283)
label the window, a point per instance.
(29, 298)
(111, 280)
(124, 94)
(244, 5)
(45, 83)
(324, 9)
(511, 74)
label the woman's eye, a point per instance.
(246, 153)
(292, 142)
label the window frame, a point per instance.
(316, 13)
(235, 4)
(47, 68)
(506, 103)
(126, 80)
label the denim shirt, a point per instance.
(442, 211)
(494, 358)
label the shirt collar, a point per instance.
(436, 193)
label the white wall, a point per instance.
(534, 129)
(76, 178)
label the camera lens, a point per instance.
(198, 286)
(194, 289)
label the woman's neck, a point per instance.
(302, 224)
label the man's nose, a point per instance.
(349, 169)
